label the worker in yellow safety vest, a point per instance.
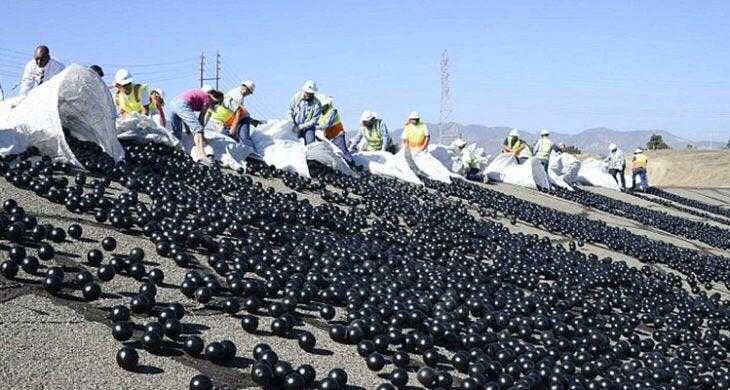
(515, 146)
(130, 97)
(415, 135)
(638, 168)
(373, 135)
(329, 126)
(543, 147)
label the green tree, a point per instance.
(656, 142)
(571, 149)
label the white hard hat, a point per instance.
(514, 133)
(544, 132)
(324, 100)
(612, 147)
(249, 84)
(309, 87)
(414, 115)
(123, 77)
(206, 87)
(637, 151)
(367, 115)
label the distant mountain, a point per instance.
(594, 141)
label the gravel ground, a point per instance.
(63, 342)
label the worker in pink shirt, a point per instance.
(188, 109)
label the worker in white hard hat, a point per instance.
(130, 97)
(543, 147)
(305, 110)
(232, 117)
(638, 169)
(415, 135)
(330, 127)
(617, 165)
(515, 146)
(468, 160)
(373, 135)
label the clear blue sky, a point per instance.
(564, 65)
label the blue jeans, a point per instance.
(308, 135)
(544, 163)
(641, 173)
(243, 131)
(182, 116)
(339, 141)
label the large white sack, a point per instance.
(445, 156)
(279, 146)
(563, 170)
(595, 173)
(504, 168)
(143, 129)
(386, 164)
(425, 164)
(329, 155)
(230, 153)
(76, 100)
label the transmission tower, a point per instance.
(445, 126)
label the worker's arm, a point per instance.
(386, 135)
(425, 143)
(313, 120)
(205, 115)
(26, 81)
(355, 143)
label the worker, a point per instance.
(39, 70)
(188, 110)
(305, 110)
(130, 97)
(157, 107)
(617, 165)
(373, 135)
(543, 147)
(415, 135)
(638, 168)
(233, 118)
(515, 146)
(330, 126)
(97, 69)
(469, 160)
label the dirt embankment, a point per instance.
(685, 168)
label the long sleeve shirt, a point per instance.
(305, 113)
(616, 160)
(34, 75)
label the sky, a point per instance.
(562, 65)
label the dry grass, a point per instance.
(685, 168)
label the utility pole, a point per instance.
(447, 105)
(202, 65)
(217, 77)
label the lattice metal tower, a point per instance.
(446, 131)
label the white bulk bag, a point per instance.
(425, 164)
(142, 129)
(504, 168)
(563, 170)
(76, 100)
(595, 173)
(386, 164)
(230, 153)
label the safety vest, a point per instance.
(131, 102)
(640, 161)
(222, 114)
(415, 135)
(336, 128)
(544, 146)
(373, 136)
